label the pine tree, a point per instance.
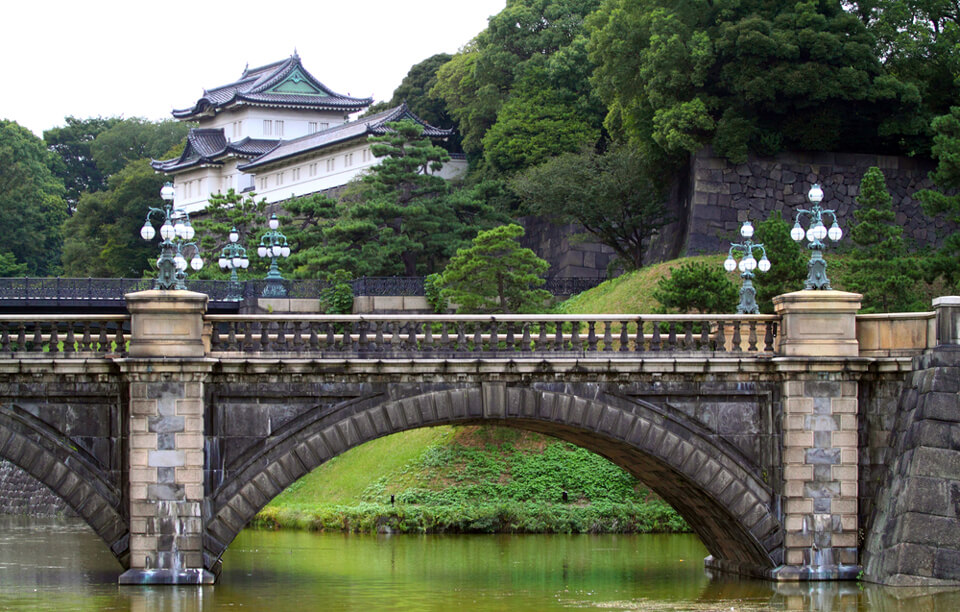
(697, 287)
(788, 264)
(879, 266)
(496, 274)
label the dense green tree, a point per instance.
(945, 200)
(750, 75)
(223, 213)
(9, 266)
(878, 266)
(399, 219)
(788, 263)
(132, 139)
(102, 238)
(32, 208)
(415, 88)
(495, 274)
(617, 197)
(696, 287)
(76, 167)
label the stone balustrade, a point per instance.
(63, 335)
(478, 335)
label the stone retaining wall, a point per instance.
(22, 494)
(723, 195)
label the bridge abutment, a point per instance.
(820, 435)
(165, 451)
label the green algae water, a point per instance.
(48, 564)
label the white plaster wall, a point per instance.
(251, 118)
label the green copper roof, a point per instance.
(297, 83)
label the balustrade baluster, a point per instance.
(688, 343)
(624, 337)
(346, 338)
(542, 337)
(672, 336)
(752, 347)
(591, 336)
(298, 336)
(736, 336)
(104, 344)
(575, 343)
(494, 336)
(22, 337)
(525, 340)
(69, 345)
(510, 338)
(85, 340)
(282, 337)
(264, 336)
(314, 338)
(477, 336)
(558, 342)
(705, 335)
(4, 339)
(768, 336)
(461, 338)
(607, 336)
(655, 342)
(444, 337)
(427, 337)
(721, 337)
(413, 327)
(640, 341)
(119, 340)
(231, 336)
(53, 345)
(362, 339)
(248, 342)
(215, 337)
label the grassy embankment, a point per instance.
(483, 479)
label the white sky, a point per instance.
(134, 58)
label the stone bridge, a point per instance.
(773, 436)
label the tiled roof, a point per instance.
(253, 87)
(210, 146)
(374, 125)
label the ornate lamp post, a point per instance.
(273, 244)
(816, 232)
(176, 232)
(748, 263)
(234, 257)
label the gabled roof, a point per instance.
(283, 84)
(210, 146)
(374, 125)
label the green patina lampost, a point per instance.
(817, 267)
(273, 244)
(176, 233)
(748, 294)
(233, 257)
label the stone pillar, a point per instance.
(166, 372)
(819, 423)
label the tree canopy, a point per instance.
(72, 144)
(32, 208)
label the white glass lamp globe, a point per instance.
(763, 264)
(166, 231)
(262, 251)
(235, 263)
(180, 229)
(276, 250)
(285, 251)
(234, 235)
(811, 235)
(729, 264)
(274, 222)
(742, 266)
(196, 263)
(222, 262)
(244, 263)
(815, 194)
(820, 231)
(797, 233)
(188, 231)
(746, 230)
(750, 263)
(180, 262)
(835, 233)
(167, 192)
(147, 232)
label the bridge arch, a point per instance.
(707, 480)
(70, 472)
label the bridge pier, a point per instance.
(820, 435)
(166, 371)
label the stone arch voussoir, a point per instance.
(67, 470)
(705, 479)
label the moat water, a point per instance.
(50, 564)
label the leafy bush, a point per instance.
(337, 297)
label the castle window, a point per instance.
(331, 164)
(311, 127)
(278, 128)
(267, 127)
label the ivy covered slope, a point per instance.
(470, 480)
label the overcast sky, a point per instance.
(143, 59)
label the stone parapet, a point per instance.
(818, 323)
(166, 323)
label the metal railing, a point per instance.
(27, 291)
(472, 336)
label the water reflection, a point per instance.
(61, 565)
